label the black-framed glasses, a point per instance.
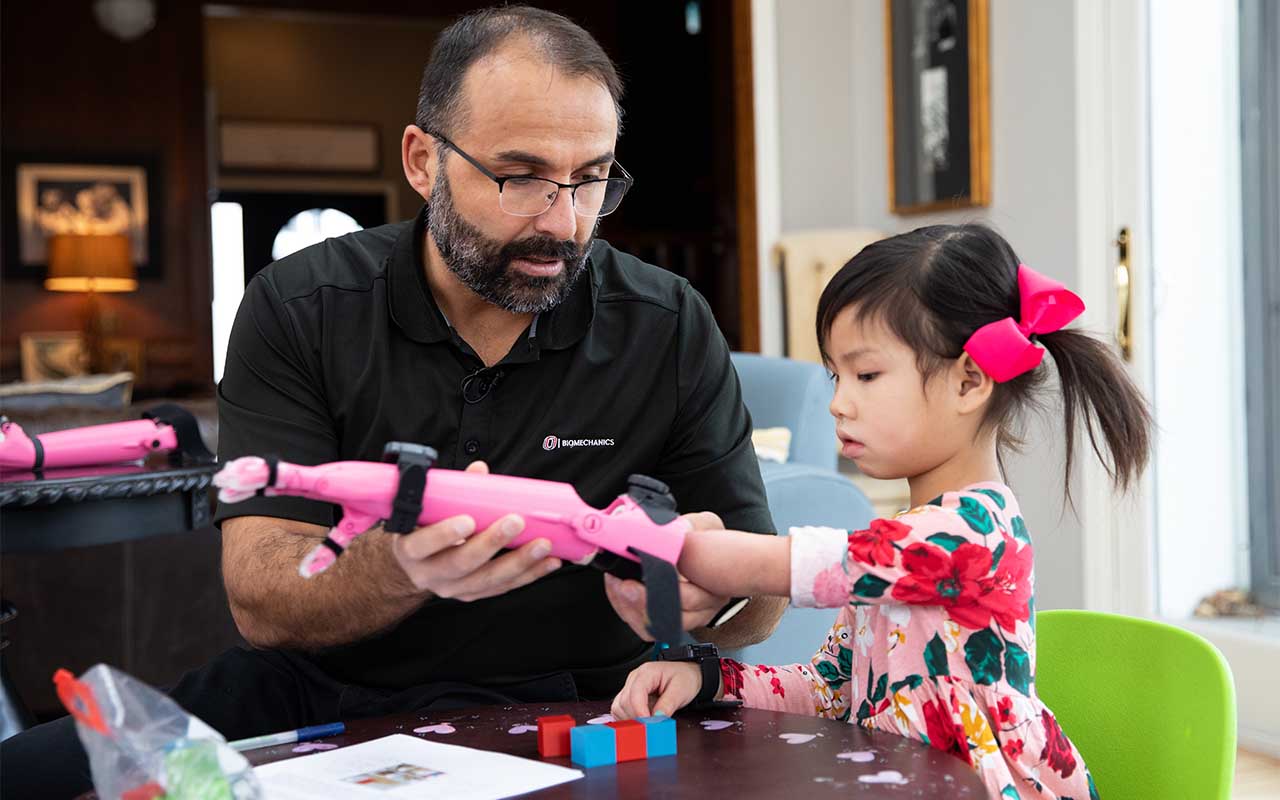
(529, 196)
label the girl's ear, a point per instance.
(973, 387)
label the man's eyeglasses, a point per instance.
(529, 196)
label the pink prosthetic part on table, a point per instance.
(163, 430)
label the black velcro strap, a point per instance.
(190, 442)
(710, 668)
(662, 590)
(407, 506)
(39, 462)
(332, 545)
(273, 467)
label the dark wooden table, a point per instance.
(59, 509)
(748, 758)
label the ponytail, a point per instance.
(1097, 389)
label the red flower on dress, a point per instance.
(731, 676)
(777, 687)
(1003, 712)
(960, 582)
(1013, 748)
(762, 668)
(944, 732)
(1008, 593)
(1057, 748)
(875, 545)
(952, 580)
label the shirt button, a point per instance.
(471, 447)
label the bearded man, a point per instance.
(496, 328)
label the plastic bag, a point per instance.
(144, 746)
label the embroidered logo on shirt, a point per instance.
(554, 442)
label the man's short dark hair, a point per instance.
(562, 42)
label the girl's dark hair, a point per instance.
(935, 286)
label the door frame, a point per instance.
(1113, 192)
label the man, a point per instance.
(497, 329)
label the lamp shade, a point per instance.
(90, 263)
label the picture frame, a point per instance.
(61, 193)
(53, 355)
(939, 107)
(247, 145)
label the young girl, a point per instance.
(935, 340)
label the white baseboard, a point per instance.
(1258, 741)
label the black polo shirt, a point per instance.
(340, 348)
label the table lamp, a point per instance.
(91, 263)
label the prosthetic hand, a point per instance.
(411, 494)
(165, 428)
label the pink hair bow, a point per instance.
(1002, 348)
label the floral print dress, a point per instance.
(935, 641)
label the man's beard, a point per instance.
(484, 265)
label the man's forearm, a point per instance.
(364, 592)
(753, 624)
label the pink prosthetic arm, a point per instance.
(643, 519)
(166, 429)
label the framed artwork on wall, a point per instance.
(939, 116)
(60, 194)
(53, 355)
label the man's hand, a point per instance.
(697, 605)
(444, 559)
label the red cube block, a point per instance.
(553, 735)
(631, 740)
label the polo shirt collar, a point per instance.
(414, 309)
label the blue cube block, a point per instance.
(593, 746)
(659, 735)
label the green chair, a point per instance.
(1151, 707)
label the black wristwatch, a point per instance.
(707, 657)
(729, 611)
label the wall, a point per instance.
(833, 162)
(68, 88)
(322, 68)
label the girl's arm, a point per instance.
(820, 687)
(956, 552)
(737, 564)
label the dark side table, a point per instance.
(61, 509)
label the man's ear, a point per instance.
(419, 159)
(972, 386)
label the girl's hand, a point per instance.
(674, 684)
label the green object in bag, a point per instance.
(192, 772)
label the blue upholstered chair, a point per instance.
(781, 393)
(807, 490)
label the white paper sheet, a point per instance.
(400, 767)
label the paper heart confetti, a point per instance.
(797, 738)
(602, 719)
(523, 729)
(715, 724)
(309, 747)
(442, 727)
(884, 776)
(860, 756)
